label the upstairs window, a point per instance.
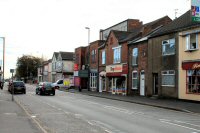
(135, 57)
(168, 47)
(103, 57)
(117, 55)
(93, 56)
(192, 42)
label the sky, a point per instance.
(41, 27)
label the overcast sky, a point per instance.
(41, 27)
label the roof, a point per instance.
(56, 54)
(181, 23)
(121, 35)
(67, 55)
(120, 23)
(139, 32)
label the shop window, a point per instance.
(117, 55)
(192, 42)
(103, 57)
(168, 78)
(168, 47)
(135, 57)
(193, 81)
(134, 80)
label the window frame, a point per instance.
(136, 62)
(118, 55)
(135, 78)
(103, 57)
(164, 44)
(192, 85)
(188, 43)
(168, 74)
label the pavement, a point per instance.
(13, 118)
(172, 104)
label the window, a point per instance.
(135, 57)
(193, 81)
(192, 42)
(168, 47)
(93, 56)
(117, 55)
(93, 80)
(103, 57)
(134, 80)
(168, 78)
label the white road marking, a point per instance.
(171, 123)
(187, 123)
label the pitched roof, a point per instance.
(183, 22)
(56, 55)
(139, 32)
(67, 55)
(121, 35)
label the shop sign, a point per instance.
(190, 65)
(75, 67)
(114, 68)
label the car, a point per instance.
(16, 87)
(45, 88)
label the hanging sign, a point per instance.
(195, 5)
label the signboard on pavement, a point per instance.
(195, 5)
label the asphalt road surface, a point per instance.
(75, 113)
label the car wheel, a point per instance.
(25, 92)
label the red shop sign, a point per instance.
(190, 65)
(75, 67)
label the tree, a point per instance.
(27, 67)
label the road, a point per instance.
(75, 113)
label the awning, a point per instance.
(103, 73)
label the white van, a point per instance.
(66, 83)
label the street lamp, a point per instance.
(3, 38)
(88, 84)
(88, 34)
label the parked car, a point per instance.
(45, 88)
(16, 87)
(66, 83)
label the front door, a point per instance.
(155, 84)
(114, 86)
(142, 83)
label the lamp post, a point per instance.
(88, 85)
(2, 82)
(88, 34)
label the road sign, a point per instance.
(12, 70)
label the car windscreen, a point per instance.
(18, 83)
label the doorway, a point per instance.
(155, 84)
(142, 83)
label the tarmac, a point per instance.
(171, 104)
(12, 115)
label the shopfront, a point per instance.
(190, 81)
(117, 78)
